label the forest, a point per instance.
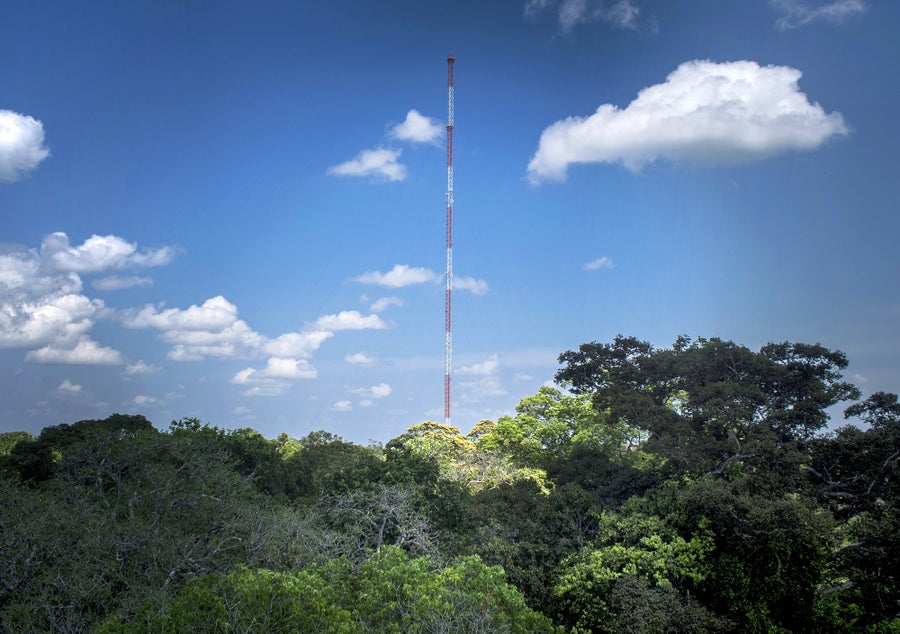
(696, 488)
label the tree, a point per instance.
(390, 593)
(122, 517)
(383, 515)
(701, 402)
(857, 478)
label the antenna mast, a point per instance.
(448, 348)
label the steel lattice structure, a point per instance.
(448, 347)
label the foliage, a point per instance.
(701, 401)
(687, 489)
(389, 593)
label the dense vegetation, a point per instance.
(686, 489)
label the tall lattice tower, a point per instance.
(448, 346)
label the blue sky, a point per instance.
(235, 211)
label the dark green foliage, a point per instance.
(699, 401)
(332, 465)
(37, 460)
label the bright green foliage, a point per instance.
(639, 551)
(550, 425)
(245, 600)
(10, 439)
(458, 459)
(391, 593)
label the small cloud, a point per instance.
(85, 352)
(142, 399)
(274, 379)
(351, 320)
(289, 369)
(21, 145)
(68, 386)
(381, 163)
(417, 128)
(140, 368)
(382, 390)
(381, 304)
(797, 13)
(521, 376)
(621, 14)
(297, 344)
(360, 358)
(99, 253)
(243, 377)
(399, 276)
(599, 263)
(117, 283)
(486, 367)
(705, 112)
(342, 406)
(477, 287)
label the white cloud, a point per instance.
(118, 283)
(209, 330)
(99, 253)
(351, 320)
(380, 163)
(489, 366)
(38, 322)
(213, 329)
(360, 358)
(600, 263)
(399, 276)
(21, 145)
(140, 368)
(53, 326)
(274, 379)
(380, 391)
(705, 112)
(622, 14)
(42, 307)
(417, 128)
(142, 399)
(297, 344)
(281, 368)
(68, 386)
(243, 377)
(797, 13)
(342, 406)
(381, 304)
(85, 351)
(478, 287)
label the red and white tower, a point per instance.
(448, 347)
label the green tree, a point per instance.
(706, 404)
(390, 593)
